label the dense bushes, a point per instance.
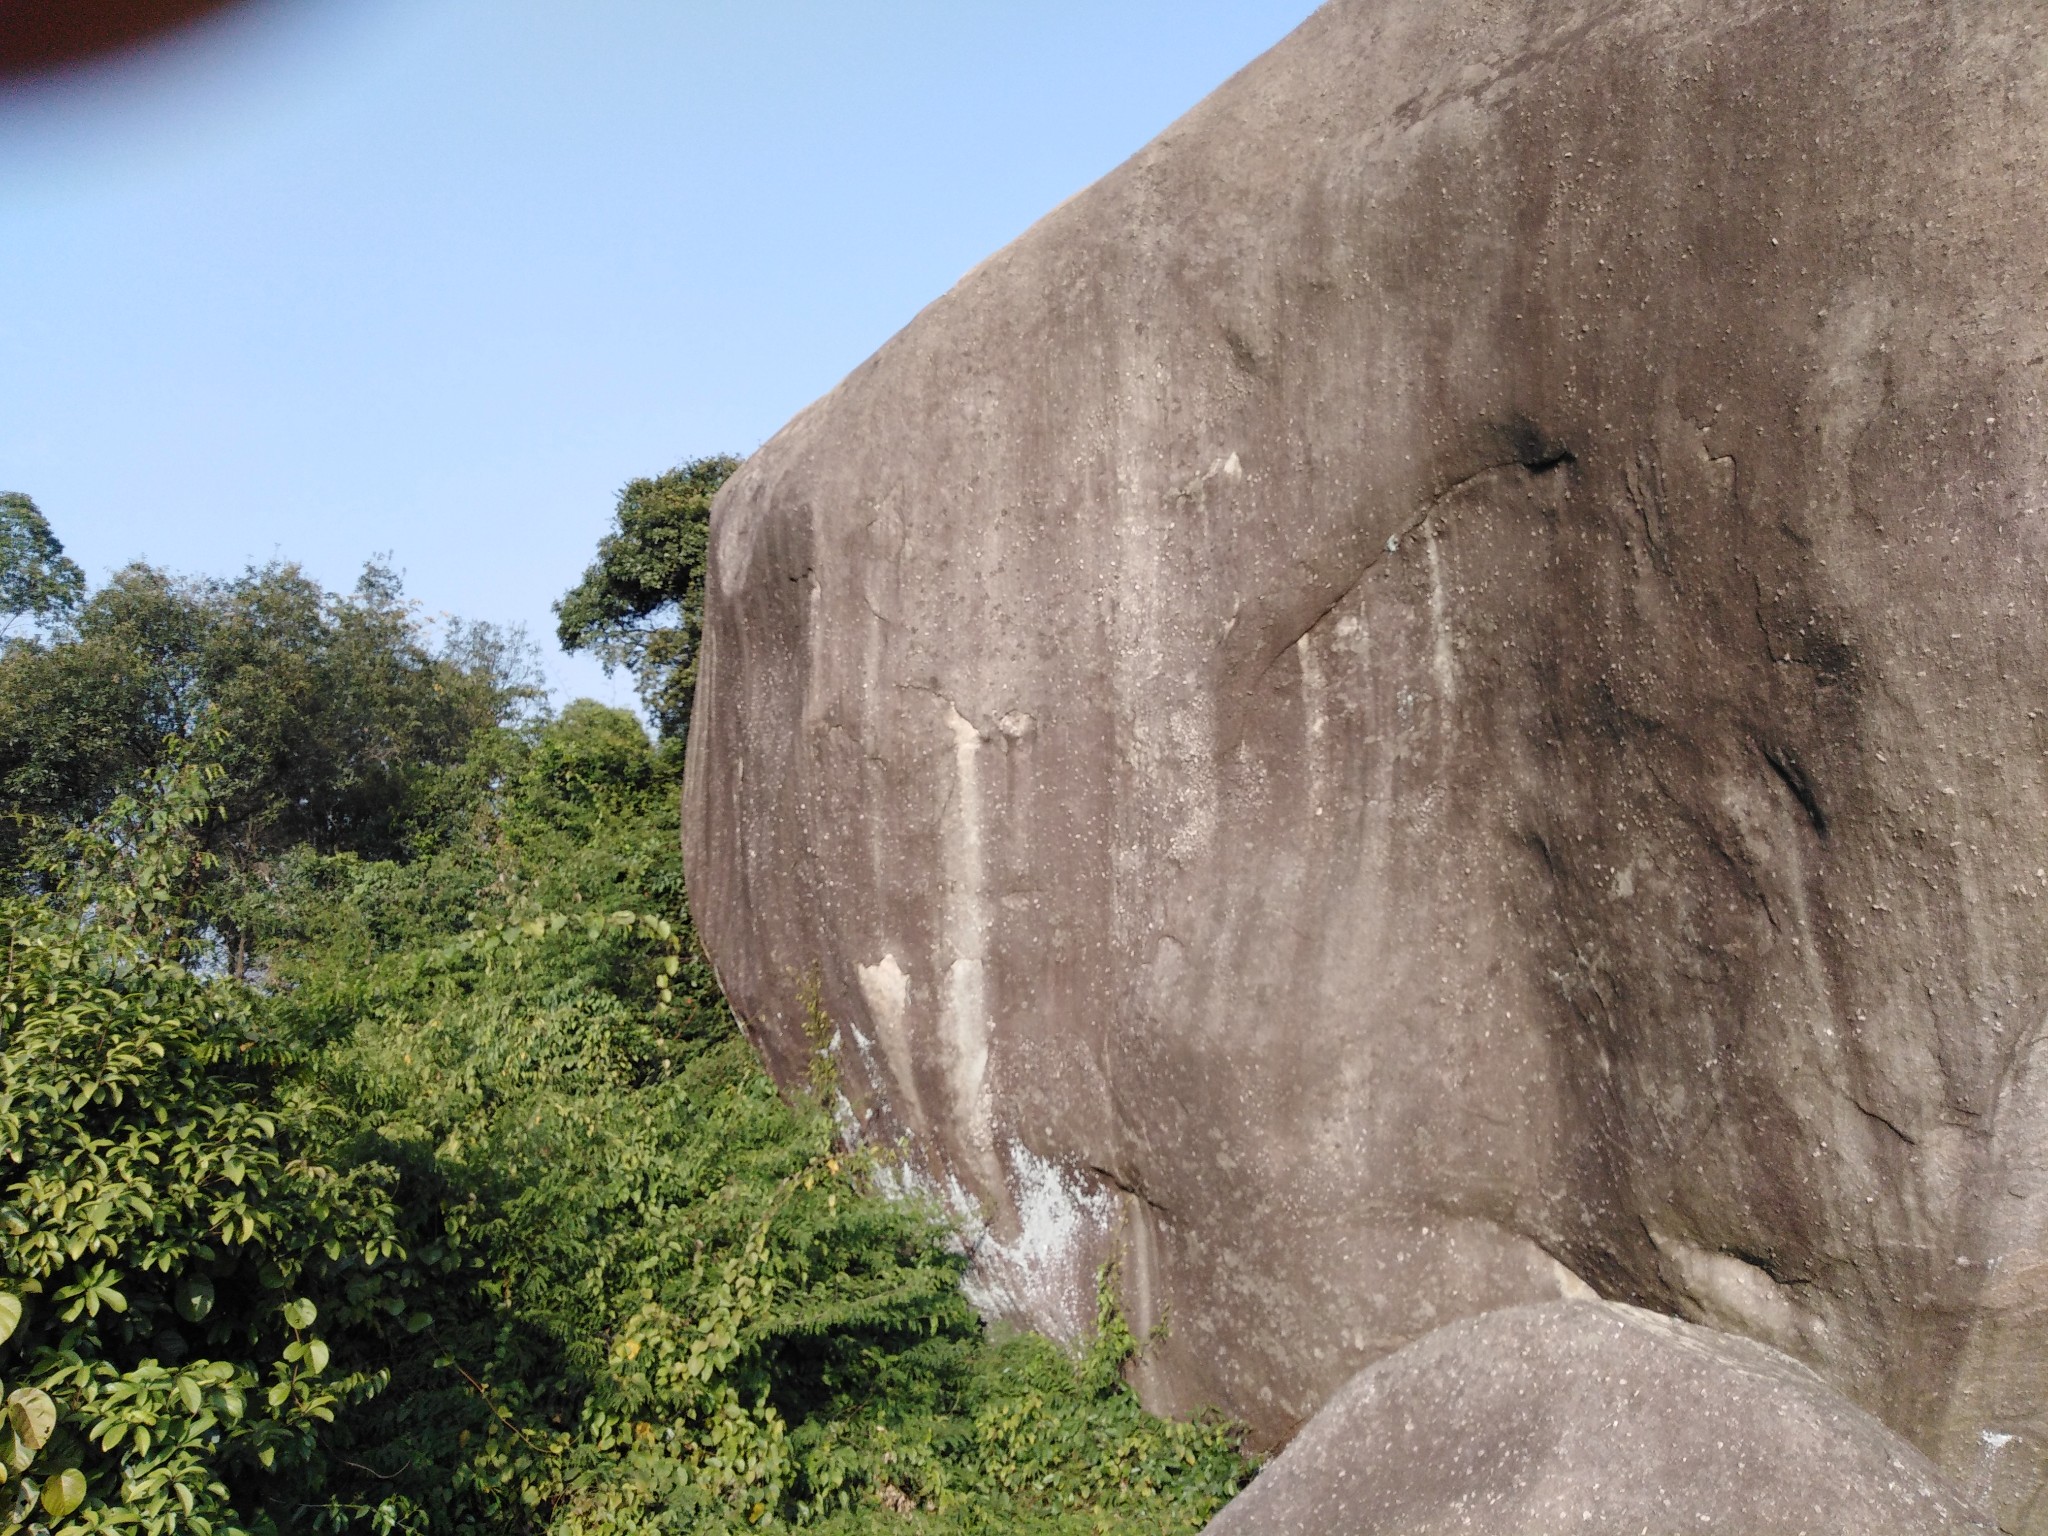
(663, 1298)
(170, 1256)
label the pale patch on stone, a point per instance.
(1191, 734)
(1044, 1276)
(1728, 1293)
(1315, 716)
(1228, 468)
(1442, 662)
(1046, 1272)
(846, 1120)
(885, 988)
(1570, 1287)
(964, 1023)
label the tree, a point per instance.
(640, 605)
(334, 712)
(37, 581)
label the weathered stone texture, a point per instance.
(1433, 697)
(1599, 1420)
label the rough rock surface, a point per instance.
(1435, 695)
(1596, 1419)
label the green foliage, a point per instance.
(663, 1298)
(163, 1231)
(641, 604)
(335, 717)
(37, 581)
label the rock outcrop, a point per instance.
(1597, 1419)
(1435, 696)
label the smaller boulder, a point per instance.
(1590, 1417)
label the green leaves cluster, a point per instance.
(336, 719)
(641, 603)
(668, 1299)
(38, 582)
(27, 1423)
(161, 1231)
(652, 1275)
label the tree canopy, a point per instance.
(37, 581)
(640, 605)
(332, 714)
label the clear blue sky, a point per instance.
(434, 277)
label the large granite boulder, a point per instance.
(1433, 696)
(1599, 1420)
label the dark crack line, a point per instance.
(1128, 1188)
(1795, 780)
(1537, 460)
(1871, 1114)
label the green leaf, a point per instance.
(32, 1415)
(300, 1313)
(63, 1493)
(195, 1298)
(316, 1356)
(10, 1315)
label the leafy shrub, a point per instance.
(170, 1257)
(640, 605)
(664, 1298)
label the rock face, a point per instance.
(1436, 695)
(1597, 1419)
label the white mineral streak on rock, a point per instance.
(1315, 721)
(1441, 660)
(1726, 1292)
(886, 990)
(1571, 1287)
(1043, 1272)
(964, 1023)
(1984, 1485)
(846, 1119)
